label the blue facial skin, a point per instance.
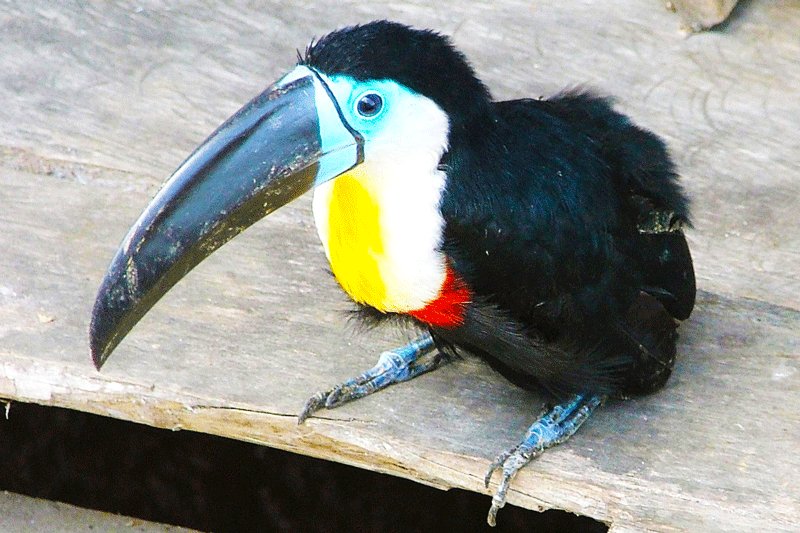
(349, 92)
(366, 107)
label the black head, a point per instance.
(422, 60)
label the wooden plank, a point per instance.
(20, 514)
(102, 101)
(698, 15)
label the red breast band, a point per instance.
(449, 307)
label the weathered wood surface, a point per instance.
(21, 514)
(102, 101)
(698, 15)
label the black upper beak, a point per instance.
(274, 149)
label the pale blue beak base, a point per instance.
(336, 137)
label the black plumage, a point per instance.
(552, 218)
(562, 216)
(422, 60)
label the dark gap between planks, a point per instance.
(212, 483)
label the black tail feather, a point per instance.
(669, 275)
(650, 333)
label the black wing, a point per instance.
(566, 225)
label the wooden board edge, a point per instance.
(342, 440)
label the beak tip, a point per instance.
(98, 348)
(98, 359)
(105, 326)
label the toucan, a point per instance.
(544, 236)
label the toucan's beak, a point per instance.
(278, 146)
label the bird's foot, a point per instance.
(400, 364)
(554, 427)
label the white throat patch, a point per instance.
(380, 223)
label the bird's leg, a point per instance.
(554, 427)
(400, 364)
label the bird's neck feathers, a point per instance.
(381, 228)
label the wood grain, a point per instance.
(102, 101)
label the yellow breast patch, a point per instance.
(354, 239)
(381, 228)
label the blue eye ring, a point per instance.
(369, 104)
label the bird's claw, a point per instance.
(313, 404)
(554, 427)
(511, 461)
(393, 366)
(497, 463)
(336, 396)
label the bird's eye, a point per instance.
(369, 104)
